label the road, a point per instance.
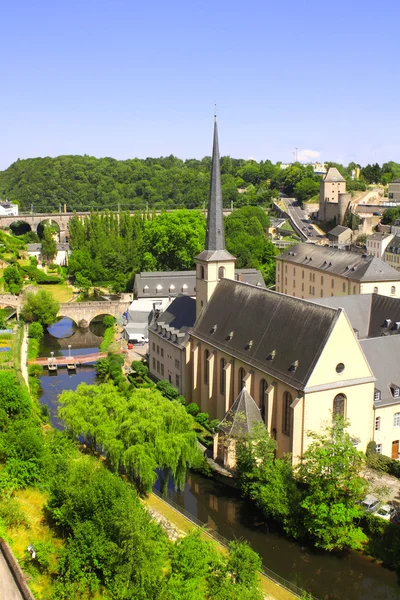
(302, 220)
(8, 588)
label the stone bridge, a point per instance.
(84, 312)
(62, 219)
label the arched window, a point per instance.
(201, 272)
(222, 376)
(287, 412)
(221, 272)
(241, 376)
(393, 290)
(375, 290)
(263, 399)
(339, 405)
(206, 366)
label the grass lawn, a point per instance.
(62, 292)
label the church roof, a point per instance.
(278, 334)
(347, 264)
(382, 355)
(333, 175)
(241, 417)
(177, 319)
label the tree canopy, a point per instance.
(40, 306)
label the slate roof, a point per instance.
(396, 180)
(178, 279)
(178, 318)
(394, 245)
(378, 236)
(338, 230)
(347, 264)
(266, 329)
(382, 355)
(333, 175)
(242, 415)
(371, 315)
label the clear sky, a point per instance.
(124, 78)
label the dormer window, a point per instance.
(377, 395)
(229, 336)
(159, 288)
(395, 390)
(249, 345)
(146, 289)
(171, 288)
(184, 288)
(213, 329)
(387, 323)
(294, 366)
(271, 355)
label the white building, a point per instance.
(377, 243)
(60, 259)
(8, 209)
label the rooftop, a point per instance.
(394, 245)
(242, 415)
(178, 318)
(278, 334)
(339, 229)
(382, 355)
(347, 264)
(333, 175)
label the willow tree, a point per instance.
(140, 434)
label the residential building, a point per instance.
(377, 243)
(395, 228)
(8, 209)
(340, 236)
(61, 257)
(309, 271)
(392, 253)
(394, 191)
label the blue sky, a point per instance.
(124, 78)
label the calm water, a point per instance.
(347, 576)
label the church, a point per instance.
(299, 360)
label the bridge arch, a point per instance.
(42, 224)
(53, 330)
(20, 227)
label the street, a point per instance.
(302, 220)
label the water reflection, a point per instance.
(65, 333)
(342, 576)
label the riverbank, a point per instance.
(180, 525)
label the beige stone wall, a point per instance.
(394, 192)
(393, 260)
(308, 283)
(387, 432)
(206, 286)
(384, 288)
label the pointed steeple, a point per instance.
(215, 237)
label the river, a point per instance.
(346, 576)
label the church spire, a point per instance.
(215, 239)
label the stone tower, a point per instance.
(331, 186)
(214, 262)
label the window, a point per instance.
(322, 293)
(158, 366)
(302, 287)
(287, 413)
(377, 395)
(344, 286)
(154, 347)
(339, 405)
(339, 368)
(375, 290)
(162, 352)
(393, 290)
(221, 272)
(206, 366)
(285, 268)
(310, 289)
(277, 277)
(379, 448)
(294, 271)
(294, 283)
(322, 279)
(333, 283)
(263, 399)
(176, 364)
(222, 376)
(158, 349)
(396, 420)
(302, 274)
(310, 276)
(241, 376)
(396, 392)
(177, 381)
(285, 280)
(154, 364)
(201, 270)
(377, 423)
(162, 369)
(354, 290)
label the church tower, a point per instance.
(214, 262)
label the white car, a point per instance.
(385, 512)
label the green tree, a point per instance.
(41, 307)
(83, 284)
(331, 471)
(13, 279)
(35, 330)
(306, 189)
(49, 245)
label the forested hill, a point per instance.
(85, 182)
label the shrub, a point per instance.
(35, 370)
(140, 368)
(167, 390)
(192, 409)
(202, 419)
(108, 321)
(35, 330)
